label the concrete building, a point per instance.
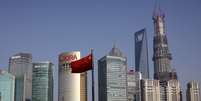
(193, 91)
(42, 81)
(141, 53)
(69, 83)
(173, 91)
(150, 90)
(20, 65)
(83, 86)
(112, 80)
(7, 86)
(133, 85)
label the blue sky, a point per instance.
(46, 28)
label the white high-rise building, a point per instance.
(133, 85)
(173, 90)
(193, 91)
(150, 90)
(69, 83)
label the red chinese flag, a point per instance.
(82, 65)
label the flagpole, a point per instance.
(92, 74)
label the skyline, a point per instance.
(55, 21)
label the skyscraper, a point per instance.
(112, 70)
(42, 81)
(173, 90)
(150, 90)
(7, 86)
(162, 55)
(141, 53)
(20, 65)
(69, 83)
(193, 91)
(133, 85)
(163, 71)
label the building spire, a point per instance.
(159, 19)
(115, 51)
(114, 45)
(157, 10)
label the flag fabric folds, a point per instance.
(82, 65)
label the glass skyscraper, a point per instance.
(7, 86)
(141, 53)
(20, 65)
(112, 70)
(42, 81)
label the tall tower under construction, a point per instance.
(162, 56)
(167, 76)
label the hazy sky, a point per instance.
(46, 28)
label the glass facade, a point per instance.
(42, 82)
(19, 88)
(141, 53)
(7, 86)
(112, 71)
(20, 65)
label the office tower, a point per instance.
(42, 81)
(170, 90)
(141, 53)
(173, 90)
(133, 85)
(7, 86)
(20, 65)
(112, 80)
(69, 83)
(150, 90)
(83, 86)
(193, 91)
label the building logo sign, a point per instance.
(69, 57)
